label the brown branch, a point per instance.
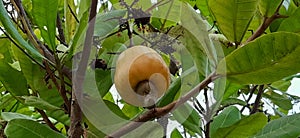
(266, 23)
(161, 111)
(59, 88)
(252, 90)
(257, 100)
(46, 119)
(61, 34)
(76, 130)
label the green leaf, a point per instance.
(32, 72)
(106, 22)
(116, 109)
(280, 100)
(173, 90)
(188, 117)
(281, 85)
(60, 116)
(264, 60)
(8, 116)
(44, 13)
(6, 101)
(233, 16)
(70, 21)
(130, 110)
(284, 127)
(226, 118)
(231, 89)
(13, 80)
(22, 128)
(233, 101)
(13, 32)
(268, 7)
(245, 127)
(176, 134)
(197, 41)
(168, 13)
(202, 5)
(38, 103)
(292, 23)
(103, 80)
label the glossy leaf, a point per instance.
(292, 23)
(268, 7)
(13, 32)
(284, 127)
(233, 16)
(226, 118)
(44, 13)
(242, 127)
(18, 128)
(265, 60)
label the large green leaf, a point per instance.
(268, 7)
(228, 117)
(197, 40)
(246, 127)
(233, 16)
(13, 32)
(292, 23)
(265, 60)
(284, 127)
(13, 80)
(32, 72)
(44, 13)
(22, 128)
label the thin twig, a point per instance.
(76, 130)
(257, 100)
(266, 23)
(161, 111)
(74, 15)
(46, 119)
(252, 90)
(52, 77)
